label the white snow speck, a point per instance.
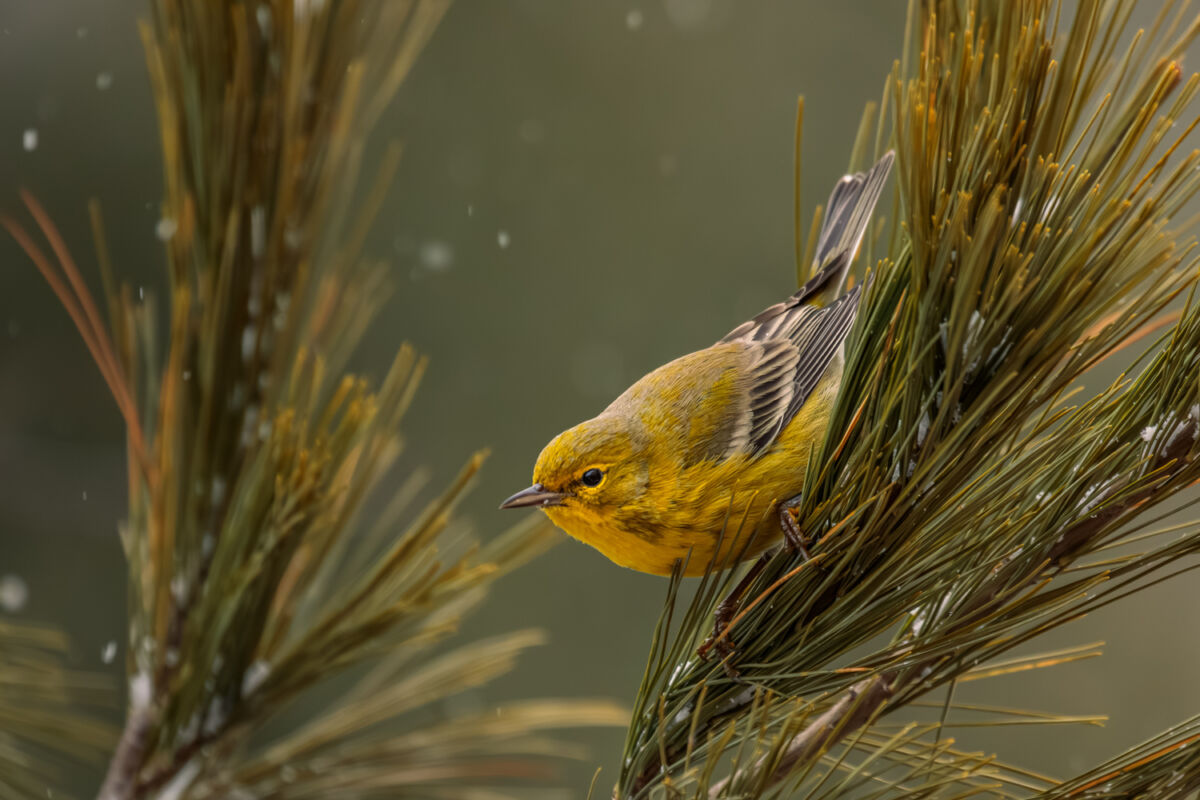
(249, 421)
(14, 593)
(249, 339)
(436, 256)
(302, 7)
(254, 676)
(178, 786)
(258, 231)
(218, 490)
(104, 81)
(81, 33)
(217, 714)
(109, 652)
(85, 494)
(189, 730)
(634, 19)
(263, 13)
(140, 691)
(165, 229)
(29, 140)
(679, 669)
(502, 239)
(293, 238)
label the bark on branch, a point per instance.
(856, 708)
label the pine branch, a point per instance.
(257, 571)
(958, 496)
(857, 707)
(46, 718)
(864, 701)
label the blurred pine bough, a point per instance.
(256, 570)
(962, 502)
(45, 711)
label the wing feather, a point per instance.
(770, 389)
(788, 348)
(783, 352)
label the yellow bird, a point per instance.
(722, 432)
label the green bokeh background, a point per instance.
(638, 159)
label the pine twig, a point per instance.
(867, 699)
(857, 707)
(958, 494)
(121, 779)
(254, 453)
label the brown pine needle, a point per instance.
(95, 339)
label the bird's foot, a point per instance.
(724, 618)
(727, 610)
(792, 534)
(719, 639)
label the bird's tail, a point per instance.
(846, 218)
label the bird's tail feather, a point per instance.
(847, 216)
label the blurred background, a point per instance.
(588, 190)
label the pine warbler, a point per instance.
(720, 433)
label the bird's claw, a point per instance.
(796, 540)
(719, 639)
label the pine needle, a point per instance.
(961, 491)
(258, 571)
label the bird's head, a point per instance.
(585, 473)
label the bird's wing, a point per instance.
(847, 215)
(788, 347)
(784, 351)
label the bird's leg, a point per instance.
(795, 539)
(726, 610)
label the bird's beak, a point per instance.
(535, 495)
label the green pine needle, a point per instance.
(960, 496)
(258, 569)
(46, 712)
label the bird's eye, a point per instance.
(592, 477)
